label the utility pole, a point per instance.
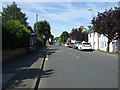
(36, 23)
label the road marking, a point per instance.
(58, 51)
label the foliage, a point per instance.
(79, 34)
(12, 12)
(84, 36)
(108, 24)
(30, 28)
(14, 35)
(39, 42)
(76, 34)
(64, 36)
(43, 28)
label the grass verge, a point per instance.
(111, 53)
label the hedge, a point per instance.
(14, 35)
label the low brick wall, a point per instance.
(10, 54)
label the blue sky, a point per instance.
(62, 16)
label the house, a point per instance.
(100, 42)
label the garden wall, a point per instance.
(10, 54)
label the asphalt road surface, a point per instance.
(68, 68)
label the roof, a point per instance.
(33, 34)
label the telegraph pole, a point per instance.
(36, 23)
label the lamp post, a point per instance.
(89, 9)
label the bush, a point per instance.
(39, 42)
(14, 35)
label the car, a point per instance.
(70, 45)
(66, 44)
(75, 46)
(84, 46)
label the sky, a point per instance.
(62, 16)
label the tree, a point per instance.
(108, 24)
(30, 28)
(12, 12)
(14, 35)
(43, 28)
(64, 36)
(84, 36)
(76, 34)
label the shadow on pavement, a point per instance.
(47, 73)
(18, 79)
(51, 51)
(22, 69)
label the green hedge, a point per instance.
(14, 35)
(39, 42)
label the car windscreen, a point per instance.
(86, 43)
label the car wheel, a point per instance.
(80, 49)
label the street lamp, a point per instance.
(89, 9)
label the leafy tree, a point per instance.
(14, 35)
(84, 36)
(43, 28)
(108, 24)
(30, 28)
(12, 12)
(76, 34)
(64, 36)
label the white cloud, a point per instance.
(61, 0)
(61, 16)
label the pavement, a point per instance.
(69, 68)
(23, 71)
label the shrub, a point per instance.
(14, 35)
(39, 42)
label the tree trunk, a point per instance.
(108, 43)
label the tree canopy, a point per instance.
(76, 34)
(14, 35)
(64, 36)
(13, 12)
(108, 24)
(43, 28)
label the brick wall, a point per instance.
(10, 54)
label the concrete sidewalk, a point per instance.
(23, 71)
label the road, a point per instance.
(68, 68)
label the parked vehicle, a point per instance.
(84, 46)
(70, 45)
(75, 46)
(66, 44)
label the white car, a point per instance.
(84, 46)
(66, 44)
